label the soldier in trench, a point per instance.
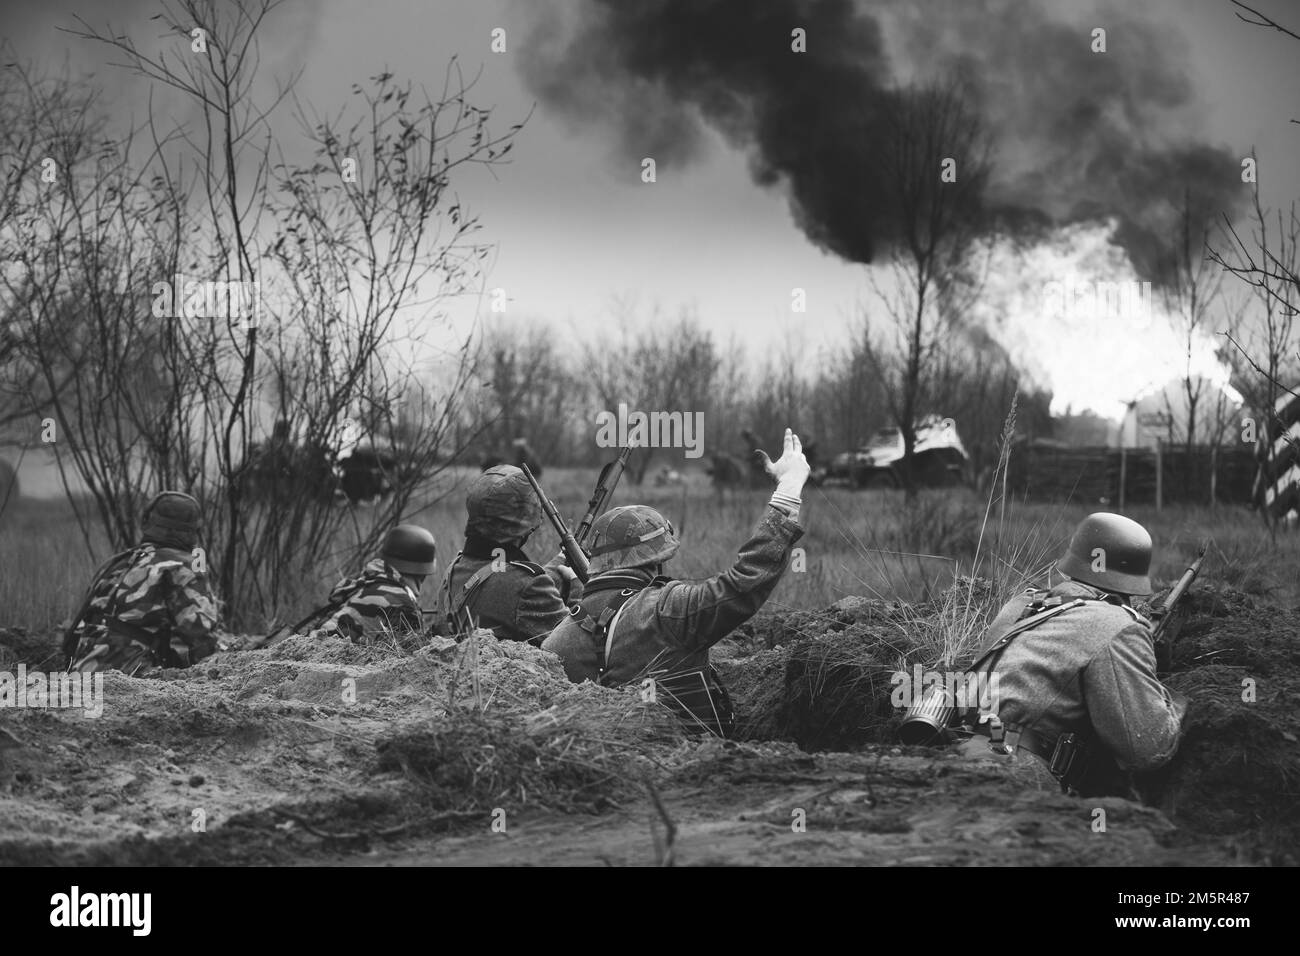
(635, 625)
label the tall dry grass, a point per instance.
(867, 543)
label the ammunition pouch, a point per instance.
(698, 698)
(1069, 762)
(1071, 758)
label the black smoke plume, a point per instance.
(1076, 134)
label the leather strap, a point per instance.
(600, 629)
(468, 589)
(1038, 744)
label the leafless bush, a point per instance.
(349, 254)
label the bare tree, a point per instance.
(1269, 263)
(350, 257)
(849, 399)
(936, 158)
(666, 367)
(43, 120)
(783, 401)
(533, 392)
(1190, 290)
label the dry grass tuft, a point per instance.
(584, 753)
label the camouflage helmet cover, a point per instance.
(501, 505)
(1110, 552)
(410, 549)
(171, 519)
(629, 537)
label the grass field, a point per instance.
(857, 543)
(439, 735)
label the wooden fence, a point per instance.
(1134, 476)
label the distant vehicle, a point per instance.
(363, 471)
(939, 458)
(367, 473)
(667, 477)
(520, 454)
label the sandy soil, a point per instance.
(482, 754)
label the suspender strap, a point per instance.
(467, 591)
(1019, 628)
(1066, 755)
(602, 655)
(601, 627)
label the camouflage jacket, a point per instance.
(670, 628)
(515, 598)
(375, 603)
(1090, 670)
(149, 609)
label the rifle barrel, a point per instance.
(573, 552)
(1185, 581)
(605, 485)
(1176, 594)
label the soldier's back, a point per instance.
(1090, 670)
(373, 605)
(516, 599)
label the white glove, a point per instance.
(791, 470)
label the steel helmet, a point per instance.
(502, 506)
(629, 537)
(1110, 552)
(410, 549)
(171, 519)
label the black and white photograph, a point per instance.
(651, 433)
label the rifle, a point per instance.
(286, 630)
(573, 552)
(1161, 637)
(605, 485)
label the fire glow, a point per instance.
(1072, 313)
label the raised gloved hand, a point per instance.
(791, 470)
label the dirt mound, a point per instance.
(1238, 765)
(572, 757)
(826, 693)
(305, 737)
(822, 681)
(324, 750)
(773, 628)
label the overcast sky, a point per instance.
(574, 225)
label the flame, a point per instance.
(1053, 307)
